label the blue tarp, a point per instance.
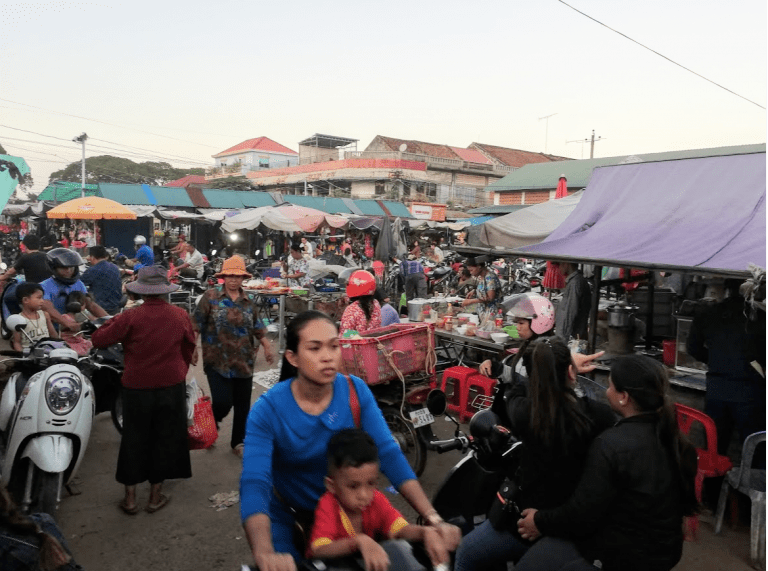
(478, 220)
(11, 171)
(706, 213)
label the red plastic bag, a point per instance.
(202, 433)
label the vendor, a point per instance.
(296, 268)
(416, 250)
(364, 312)
(488, 291)
(435, 253)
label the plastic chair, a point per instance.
(710, 463)
(749, 481)
(465, 382)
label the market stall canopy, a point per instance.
(12, 171)
(61, 191)
(523, 227)
(251, 218)
(92, 208)
(704, 214)
(309, 219)
(17, 210)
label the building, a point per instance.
(536, 182)
(252, 155)
(395, 169)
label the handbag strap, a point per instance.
(354, 402)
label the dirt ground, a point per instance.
(190, 533)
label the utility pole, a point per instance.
(591, 142)
(546, 130)
(81, 139)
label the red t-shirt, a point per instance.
(380, 521)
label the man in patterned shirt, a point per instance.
(228, 325)
(296, 268)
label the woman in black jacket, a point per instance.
(637, 485)
(556, 427)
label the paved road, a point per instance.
(189, 534)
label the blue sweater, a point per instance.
(286, 447)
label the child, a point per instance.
(80, 345)
(352, 515)
(30, 298)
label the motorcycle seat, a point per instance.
(441, 271)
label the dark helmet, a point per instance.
(64, 258)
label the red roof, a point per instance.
(184, 182)
(471, 156)
(515, 157)
(257, 144)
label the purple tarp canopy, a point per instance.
(694, 214)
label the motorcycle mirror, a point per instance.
(437, 403)
(16, 323)
(213, 252)
(3, 266)
(257, 252)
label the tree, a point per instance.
(230, 183)
(107, 168)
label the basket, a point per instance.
(407, 344)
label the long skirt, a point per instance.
(154, 445)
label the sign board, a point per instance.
(421, 211)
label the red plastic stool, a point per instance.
(466, 384)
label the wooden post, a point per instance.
(596, 278)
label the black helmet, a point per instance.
(64, 258)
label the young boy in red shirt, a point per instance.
(352, 515)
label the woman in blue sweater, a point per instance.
(284, 461)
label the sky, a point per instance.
(180, 81)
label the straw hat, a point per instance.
(233, 266)
(153, 280)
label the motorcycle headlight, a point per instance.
(62, 393)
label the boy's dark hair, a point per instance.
(31, 241)
(98, 252)
(351, 447)
(26, 289)
(77, 296)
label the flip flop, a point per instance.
(152, 508)
(133, 510)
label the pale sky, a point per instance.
(185, 80)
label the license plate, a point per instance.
(421, 417)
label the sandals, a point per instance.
(129, 510)
(238, 450)
(152, 508)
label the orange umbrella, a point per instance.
(92, 208)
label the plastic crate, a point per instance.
(408, 345)
(270, 273)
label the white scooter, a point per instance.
(46, 413)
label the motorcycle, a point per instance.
(8, 305)
(46, 413)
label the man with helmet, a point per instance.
(65, 269)
(363, 312)
(144, 254)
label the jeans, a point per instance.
(415, 286)
(555, 554)
(486, 548)
(227, 393)
(21, 552)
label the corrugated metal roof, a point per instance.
(223, 198)
(545, 175)
(170, 196)
(499, 209)
(124, 193)
(369, 207)
(62, 191)
(254, 199)
(323, 203)
(397, 209)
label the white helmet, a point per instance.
(139, 240)
(534, 307)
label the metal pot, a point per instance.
(416, 307)
(621, 315)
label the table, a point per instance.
(455, 346)
(264, 309)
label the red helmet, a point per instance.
(360, 283)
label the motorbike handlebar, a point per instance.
(441, 446)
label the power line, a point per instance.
(660, 55)
(107, 123)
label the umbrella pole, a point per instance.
(593, 311)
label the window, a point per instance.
(379, 188)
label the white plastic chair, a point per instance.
(751, 482)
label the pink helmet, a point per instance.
(534, 307)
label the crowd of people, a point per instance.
(597, 482)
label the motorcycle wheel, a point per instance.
(47, 493)
(117, 412)
(414, 449)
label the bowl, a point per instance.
(500, 338)
(483, 334)
(461, 329)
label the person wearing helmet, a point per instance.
(144, 254)
(65, 269)
(534, 317)
(364, 312)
